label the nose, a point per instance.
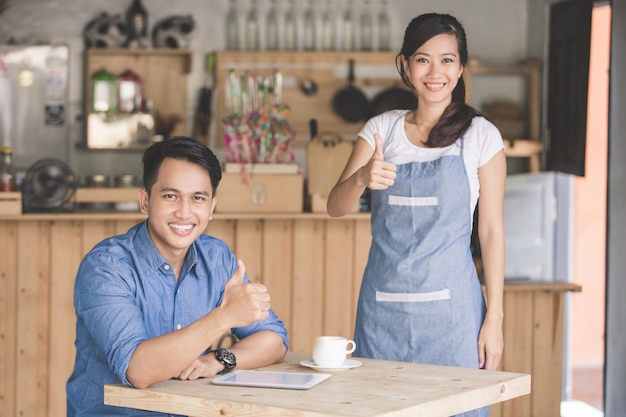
(184, 208)
(434, 68)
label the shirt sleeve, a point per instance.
(380, 124)
(105, 303)
(489, 140)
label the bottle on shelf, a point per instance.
(384, 29)
(7, 176)
(232, 27)
(104, 92)
(253, 43)
(137, 20)
(367, 27)
(271, 28)
(328, 28)
(291, 28)
(130, 92)
(348, 28)
(309, 42)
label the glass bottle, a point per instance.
(291, 28)
(384, 29)
(232, 27)
(328, 29)
(130, 97)
(367, 27)
(104, 92)
(252, 28)
(310, 30)
(348, 28)
(137, 20)
(7, 176)
(271, 27)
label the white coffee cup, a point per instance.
(331, 351)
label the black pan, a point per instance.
(350, 103)
(393, 98)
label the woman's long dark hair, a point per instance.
(457, 117)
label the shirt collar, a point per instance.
(153, 257)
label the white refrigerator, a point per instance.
(33, 102)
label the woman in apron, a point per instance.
(421, 300)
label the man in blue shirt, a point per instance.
(151, 302)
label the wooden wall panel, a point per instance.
(547, 369)
(308, 284)
(33, 240)
(518, 341)
(65, 256)
(277, 266)
(362, 242)
(311, 265)
(249, 247)
(223, 229)
(8, 317)
(338, 279)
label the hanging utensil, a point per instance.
(350, 103)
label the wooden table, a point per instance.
(375, 389)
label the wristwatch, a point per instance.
(227, 358)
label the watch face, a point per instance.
(226, 357)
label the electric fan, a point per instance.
(49, 186)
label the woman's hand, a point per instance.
(377, 174)
(490, 343)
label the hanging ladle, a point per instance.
(309, 87)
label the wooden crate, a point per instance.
(10, 202)
(260, 193)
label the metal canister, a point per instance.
(97, 181)
(126, 181)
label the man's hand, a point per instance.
(378, 174)
(204, 366)
(244, 303)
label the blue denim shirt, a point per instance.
(126, 292)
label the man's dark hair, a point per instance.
(182, 148)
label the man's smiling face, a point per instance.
(179, 207)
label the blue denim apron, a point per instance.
(421, 300)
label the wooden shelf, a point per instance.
(373, 72)
(163, 72)
(528, 147)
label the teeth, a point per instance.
(434, 85)
(181, 227)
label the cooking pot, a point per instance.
(350, 103)
(393, 98)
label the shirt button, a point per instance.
(167, 267)
(178, 326)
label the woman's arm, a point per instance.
(365, 168)
(492, 178)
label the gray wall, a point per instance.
(497, 33)
(615, 360)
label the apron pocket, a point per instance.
(416, 297)
(398, 200)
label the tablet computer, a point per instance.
(271, 379)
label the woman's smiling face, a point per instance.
(179, 207)
(435, 69)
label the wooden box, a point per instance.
(10, 202)
(266, 193)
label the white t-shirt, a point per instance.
(482, 141)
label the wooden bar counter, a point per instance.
(298, 257)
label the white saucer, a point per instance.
(348, 364)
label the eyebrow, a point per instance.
(427, 54)
(176, 190)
